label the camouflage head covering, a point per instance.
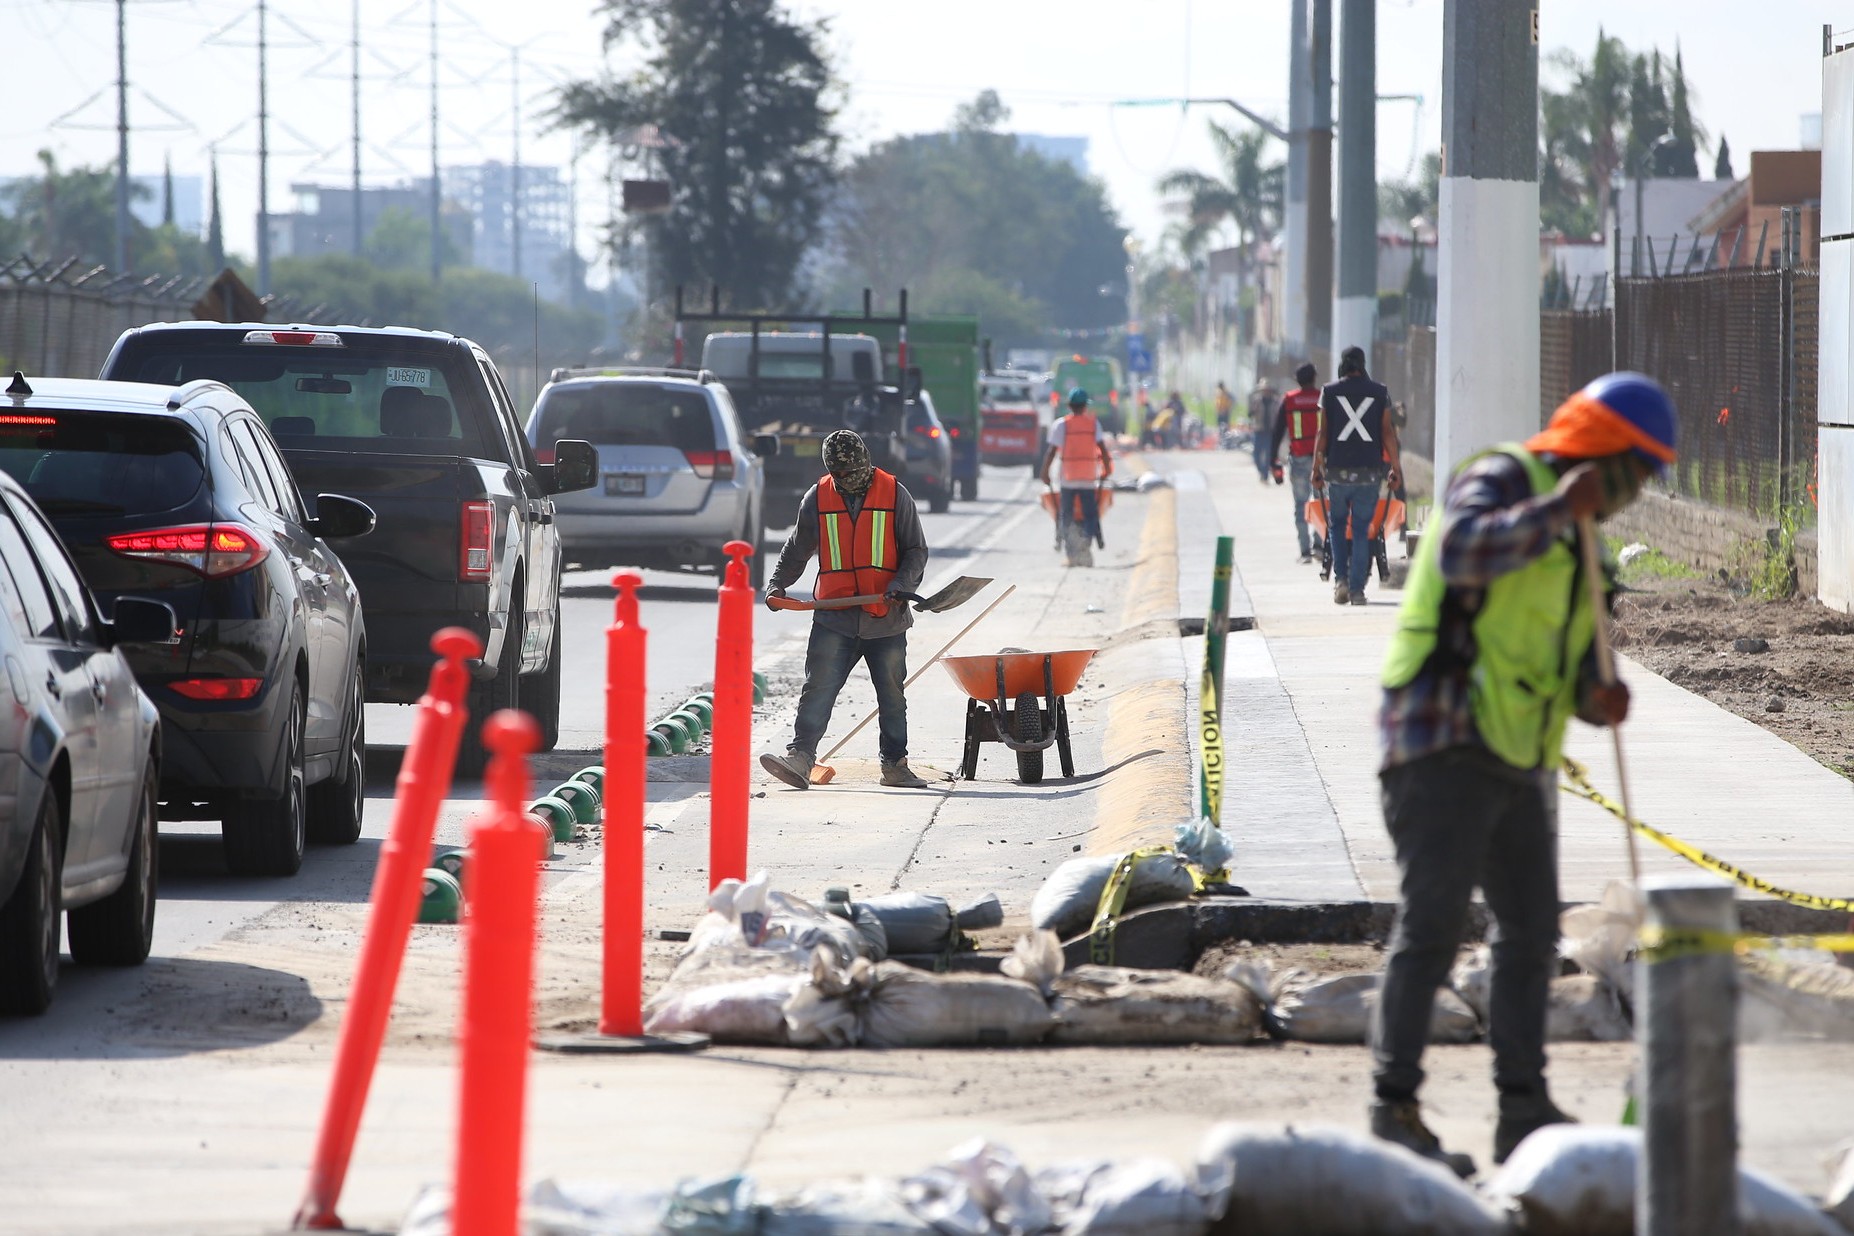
(846, 458)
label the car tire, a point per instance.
(266, 836)
(540, 693)
(337, 806)
(492, 696)
(29, 920)
(119, 930)
(939, 500)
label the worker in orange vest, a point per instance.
(1079, 441)
(1299, 423)
(861, 526)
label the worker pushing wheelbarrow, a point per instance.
(1388, 518)
(1078, 501)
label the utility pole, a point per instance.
(515, 163)
(355, 84)
(1294, 277)
(437, 237)
(1319, 271)
(122, 139)
(1355, 311)
(1487, 307)
(263, 237)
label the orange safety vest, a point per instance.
(1302, 409)
(857, 557)
(1081, 454)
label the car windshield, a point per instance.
(354, 398)
(100, 463)
(626, 414)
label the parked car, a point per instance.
(80, 758)
(420, 426)
(179, 494)
(929, 474)
(678, 477)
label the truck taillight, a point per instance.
(211, 550)
(711, 465)
(476, 540)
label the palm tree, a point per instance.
(1248, 195)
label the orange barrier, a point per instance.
(620, 1010)
(729, 762)
(1104, 501)
(501, 885)
(424, 781)
(1390, 514)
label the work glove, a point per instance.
(775, 592)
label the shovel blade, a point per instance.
(953, 595)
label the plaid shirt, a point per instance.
(1491, 525)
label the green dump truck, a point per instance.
(945, 348)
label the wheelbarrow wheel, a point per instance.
(1062, 738)
(1027, 726)
(968, 766)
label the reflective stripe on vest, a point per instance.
(1531, 634)
(1303, 413)
(868, 566)
(1081, 454)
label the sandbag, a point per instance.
(905, 1007)
(1779, 998)
(1035, 959)
(913, 922)
(754, 915)
(1599, 939)
(748, 1007)
(865, 1207)
(1332, 1182)
(1308, 1008)
(980, 1190)
(1584, 1009)
(1112, 1004)
(1067, 902)
(1579, 1180)
(1838, 1202)
(1138, 1197)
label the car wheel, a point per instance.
(487, 698)
(540, 693)
(119, 930)
(265, 836)
(338, 805)
(29, 920)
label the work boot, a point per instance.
(793, 768)
(1402, 1122)
(1358, 598)
(900, 775)
(1520, 1116)
(1341, 593)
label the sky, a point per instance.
(1059, 65)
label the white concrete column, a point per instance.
(1355, 308)
(1835, 346)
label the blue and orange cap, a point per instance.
(1618, 412)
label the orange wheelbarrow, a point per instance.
(1016, 698)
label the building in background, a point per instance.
(486, 192)
(323, 222)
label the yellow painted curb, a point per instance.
(1143, 800)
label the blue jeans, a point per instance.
(1081, 506)
(1351, 554)
(1300, 483)
(828, 662)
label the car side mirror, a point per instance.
(765, 445)
(337, 516)
(575, 466)
(140, 621)
(911, 384)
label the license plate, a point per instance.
(622, 486)
(807, 446)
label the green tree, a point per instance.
(972, 222)
(1247, 197)
(1722, 166)
(401, 240)
(215, 228)
(738, 90)
(1681, 157)
(1648, 111)
(62, 214)
(1581, 133)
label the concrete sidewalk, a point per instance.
(1303, 792)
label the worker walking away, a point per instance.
(1299, 423)
(1079, 442)
(1263, 404)
(1225, 405)
(862, 526)
(1357, 448)
(1490, 659)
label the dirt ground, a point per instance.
(1785, 665)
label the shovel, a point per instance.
(954, 594)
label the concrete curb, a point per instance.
(1146, 744)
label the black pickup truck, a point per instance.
(418, 425)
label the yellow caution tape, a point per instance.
(1114, 897)
(1578, 783)
(1211, 740)
(1670, 944)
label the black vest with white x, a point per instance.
(1354, 408)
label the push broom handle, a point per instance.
(928, 664)
(1606, 671)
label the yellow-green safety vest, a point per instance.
(1531, 634)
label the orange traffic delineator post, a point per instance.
(501, 887)
(730, 760)
(621, 1019)
(424, 781)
